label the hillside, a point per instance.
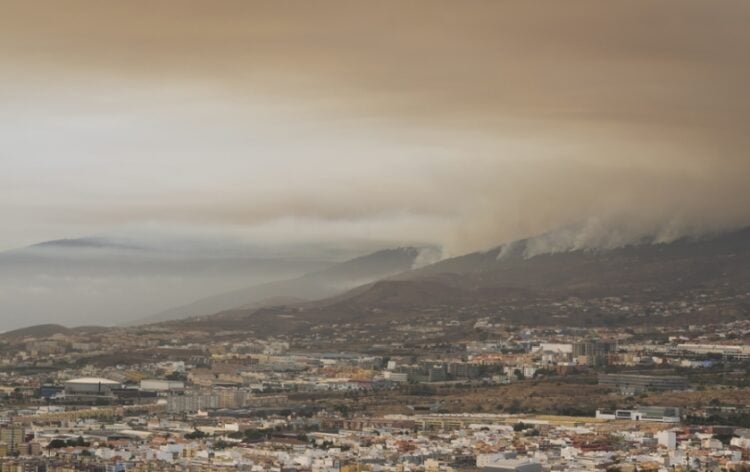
(312, 286)
(654, 268)
(37, 331)
(704, 280)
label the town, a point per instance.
(506, 397)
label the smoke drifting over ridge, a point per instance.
(465, 124)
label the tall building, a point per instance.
(463, 370)
(191, 403)
(594, 351)
(12, 435)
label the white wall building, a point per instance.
(667, 438)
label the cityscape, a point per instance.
(508, 398)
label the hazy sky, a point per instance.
(463, 123)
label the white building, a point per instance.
(396, 376)
(91, 386)
(156, 385)
(667, 438)
(557, 348)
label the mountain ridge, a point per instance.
(530, 290)
(315, 285)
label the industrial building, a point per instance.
(91, 386)
(158, 385)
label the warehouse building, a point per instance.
(94, 386)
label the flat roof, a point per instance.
(92, 380)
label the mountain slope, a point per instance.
(320, 284)
(679, 265)
(37, 331)
(697, 280)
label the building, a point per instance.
(634, 383)
(192, 403)
(437, 373)
(463, 370)
(661, 414)
(724, 350)
(667, 438)
(12, 436)
(48, 391)
(557, 348)
(486, 460)
(594, 352)
(156, 385)
(230, 397)
(513, 465)
(396, 376)
(91, 386)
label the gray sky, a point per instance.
(459, 123)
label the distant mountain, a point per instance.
(695, 280)
(101, 256)
(312, 286)
(90, 243)
(38, 331)
(107, 280)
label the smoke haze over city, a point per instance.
(374, 235)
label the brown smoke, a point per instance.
(623, 118)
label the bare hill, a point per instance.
(37, 331)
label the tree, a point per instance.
(77, 442)
(341, 409)
(515, 406)
(180, 376)
(56, 444)
(255, 434)
(220, 444)
(197, 434)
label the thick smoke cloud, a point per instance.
(460, 123)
